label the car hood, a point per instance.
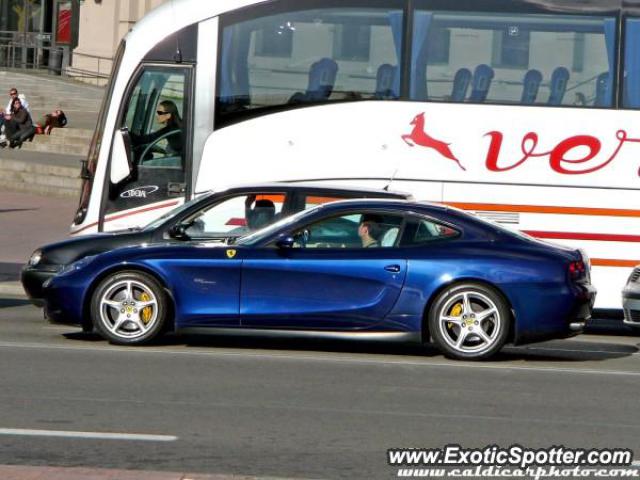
(67, 251)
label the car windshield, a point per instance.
(258, 236)
(176, 211)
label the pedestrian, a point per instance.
(4, 115)
(18, 125)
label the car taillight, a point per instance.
(577, 270)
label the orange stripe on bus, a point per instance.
(612, 262)
(317, 200)
(274, 197)
(496, 207)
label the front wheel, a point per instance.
(129, 308)
(469, 321)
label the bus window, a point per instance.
(155, 140)
(308, 56)
(632, 64)
(513, 59)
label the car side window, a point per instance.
(352, 231)
(237, 216)
(420, 231)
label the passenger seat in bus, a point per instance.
(530, 86)
(322, 78)
(558, 86)
(384, 82)
(482, 77)
(461, 82)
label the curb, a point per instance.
(12, 289)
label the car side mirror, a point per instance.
(121, 162)
(179, 231)
(285, 242)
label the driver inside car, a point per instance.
(166, 115)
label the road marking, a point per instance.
(88, 435)
(572, 350)
(329, 359)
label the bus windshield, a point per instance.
(98, 138)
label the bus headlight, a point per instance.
(35, 258)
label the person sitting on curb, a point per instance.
(6, 114)
(18, 125)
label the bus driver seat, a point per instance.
(262, 214)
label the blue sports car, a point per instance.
(357, 268)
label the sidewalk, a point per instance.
(50, 164)
(27, 222)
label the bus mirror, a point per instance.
(121, 164)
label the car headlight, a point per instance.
(35, 258)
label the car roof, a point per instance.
(315, 187)
(386, 203)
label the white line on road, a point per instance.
(88, 435)
(333, 358)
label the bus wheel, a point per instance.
(469, 321)
(129, 308)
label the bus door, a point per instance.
(150, 155)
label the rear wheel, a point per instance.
(129, 308)
(469, 321)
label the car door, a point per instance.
(326, 281)
(205, 284)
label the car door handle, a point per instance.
(392, 268)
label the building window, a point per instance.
(511, 48)
(439, 45)
(353, 43)
(275, 42)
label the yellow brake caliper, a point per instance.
(456, 311)
(146, 312)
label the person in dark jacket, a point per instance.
(18, 126)
(169, 117)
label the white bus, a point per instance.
(521, 110)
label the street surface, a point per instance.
(296, 408)
(279, 408)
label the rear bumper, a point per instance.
(583, 308)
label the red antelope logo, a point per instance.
(419, 137)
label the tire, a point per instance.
(474, 310)
(129, 308)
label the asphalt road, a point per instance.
(297, 408)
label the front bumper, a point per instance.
(33, 279)
(631, 304)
